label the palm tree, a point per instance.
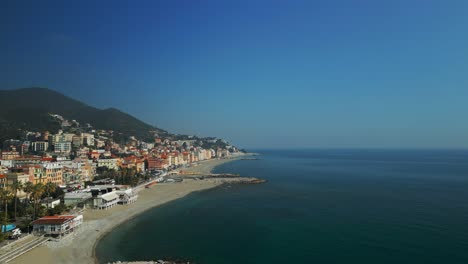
(37, 192)
(15, 187)
(5, 196)
(28, 188)
(49, 188)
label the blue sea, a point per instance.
(318, 206)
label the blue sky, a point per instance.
(259, 73)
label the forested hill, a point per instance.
(29, 108)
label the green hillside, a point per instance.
(29, 108)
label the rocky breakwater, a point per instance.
(238, 180)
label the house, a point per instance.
(50, 202)
(57, 225)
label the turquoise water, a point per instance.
(320, 206)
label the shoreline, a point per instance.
(81, 245)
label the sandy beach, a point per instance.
(79, 247)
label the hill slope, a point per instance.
(29, 108)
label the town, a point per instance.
(47, 179)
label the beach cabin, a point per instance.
(57, 226)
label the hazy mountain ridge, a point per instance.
(29, 109)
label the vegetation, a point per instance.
(125, 176)
(28, 110)
(30, 208)
(218, 144)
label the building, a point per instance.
(3, 180)
(72, 198)
(6, 163)
(57, 226)
(36, 174)
(88, 139)
(106, 201)
(53, 172)
(156, 164)
(127, 196)
(18, 177)
(62, 147)
(111, 164)
(77, 141)
(10, 155)
(40, 146)
(27, 160)
(50, 203)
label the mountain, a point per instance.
(29, 109)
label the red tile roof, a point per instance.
(53, 220)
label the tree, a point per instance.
(37, 192)
(15, 187)
(50, 188)
(5, 196)
(28, 188)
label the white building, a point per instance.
(127, 196)
(62, 147)
(40, 146)
(106, 201)
(88, 139)
(57, 225)
(111, 164)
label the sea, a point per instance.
(318, 206)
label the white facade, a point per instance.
(62, 147)
(108, 163)
(88, 139)
(57, 225)
(106, 201)
(40, 146)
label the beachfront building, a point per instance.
(76, 198)
(127, 196)
(57, 226)
(106, 201)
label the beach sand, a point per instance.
(79, 247)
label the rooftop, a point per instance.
(53, 220)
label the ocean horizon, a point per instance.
(323, 206)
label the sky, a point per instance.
(261, 74)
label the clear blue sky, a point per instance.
(258, 73)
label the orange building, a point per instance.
(53, 173)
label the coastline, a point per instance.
(81, 245)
